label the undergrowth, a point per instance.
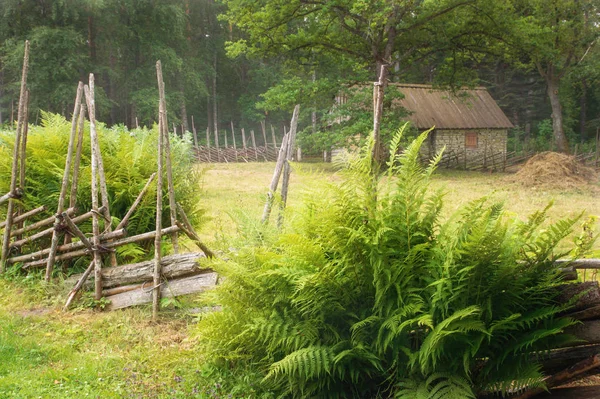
(366, 293)
(129, 159)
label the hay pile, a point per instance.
(554, 170)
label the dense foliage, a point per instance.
(368, 293)
(245, 61)
(129, 159)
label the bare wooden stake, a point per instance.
(254, 145)
(159, 183)
(166, 149)
(273, 137)
(287, 169)
(91, 105)
(65, 183)
(263, 126)
(208, 143)
(15, 160)
(244, 138)
(23, 159)
(234, 143)
(275, 180)
(195, 134)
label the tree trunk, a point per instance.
(582, 111)
(553, 83)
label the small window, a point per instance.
(471, 140)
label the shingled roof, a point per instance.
(467, 109)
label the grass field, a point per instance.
(48, 354)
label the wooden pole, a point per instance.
(254, 144)
(65, 183)
(166, 149)
(379, 88)
(234, 143)
(244, 138)
(216, 133)
(24, 141)
(135, 204)
(208, 143)
(77, 161)
(195, 134)
(70, 247)
(26, 215)
(49, 231)
(287, 169)
(15, 160)
(273, 137)
(41, 223)
(159, 183)
(225, 136)
(78, 286)
(263, 127)
(275, 180)
(106, 247)
(91, 105)
(188, 229)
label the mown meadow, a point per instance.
(88, 353)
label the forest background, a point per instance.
(244, 62)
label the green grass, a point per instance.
(45, 353)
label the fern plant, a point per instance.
(129, 159)
(366, 293)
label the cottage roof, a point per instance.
(465, 109)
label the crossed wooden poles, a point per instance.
(64, 222)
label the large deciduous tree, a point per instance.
(371, 33)
(553, 36)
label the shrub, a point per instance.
(368, 294)
(129, 160)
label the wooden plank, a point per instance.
(26, 215)
(183, 286)
(588, 294)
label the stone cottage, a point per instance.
(468, 123)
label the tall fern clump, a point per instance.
(368, 294)
(129, 160)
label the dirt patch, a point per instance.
(554, 170)
(34, 312)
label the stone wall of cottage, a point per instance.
(489, 142)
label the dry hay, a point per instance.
(554, 170)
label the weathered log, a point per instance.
(557, 359)
(172, 266)
(568, 274)
(49, 231)
(72, 246)
(41, 223)
(586, 314)
(579, 263)
(565, 375)
(588, 331)
(105, 246)
(588, 294)
(26, 215)
(184, 286)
